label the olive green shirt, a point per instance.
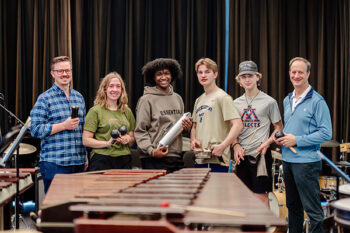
(101, 121)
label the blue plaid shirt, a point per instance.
(64, 148)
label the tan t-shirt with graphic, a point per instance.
(213, 113)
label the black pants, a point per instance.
(303, 193)
(247, 172)
(103, 162)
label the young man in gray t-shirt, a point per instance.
(258, 110)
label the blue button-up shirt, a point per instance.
(64, 148)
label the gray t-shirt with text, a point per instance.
(262, 112)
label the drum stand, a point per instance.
(16, 217)
(306, 224)
(6, 159)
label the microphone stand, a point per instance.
(11, 114)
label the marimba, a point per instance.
(8, 180)
(152, 201)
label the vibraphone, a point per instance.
(8, 179)
(152, 201)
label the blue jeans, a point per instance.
(49, 170)
(303, 193)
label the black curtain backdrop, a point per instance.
(122, 35)
(271, 32)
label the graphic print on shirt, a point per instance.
(200, 111)
(249, 118)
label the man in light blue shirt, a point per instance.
(307, 124)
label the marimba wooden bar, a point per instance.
(8, 180)
(142, 199)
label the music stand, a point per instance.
(8, 138)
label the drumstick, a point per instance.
(249, 141)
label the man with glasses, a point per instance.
(157, 111)
(62, 150)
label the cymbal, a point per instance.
(276, 155)
(330, 143)
(343, 164)
(24, 149)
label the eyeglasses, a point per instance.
(60, 72)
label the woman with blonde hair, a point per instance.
(109, 113)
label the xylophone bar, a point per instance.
(8, 185)
(8, 178)
(204, 198)
(68, 189)
(83, 225)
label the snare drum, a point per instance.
(342, 214)
(344, 191)
(278, 205)
(277, 201)
(328, 183)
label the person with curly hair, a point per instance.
(110, 112)
(157, 111)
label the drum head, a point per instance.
(273, 204)
(342, 212)
(342, 204)
(345, 189)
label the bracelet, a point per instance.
(236, 144)
(107, 144)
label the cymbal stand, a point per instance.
(306, 224)
(280, 179)
(17, 210)
(273, 173)
(11, 114)
(342, 155)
